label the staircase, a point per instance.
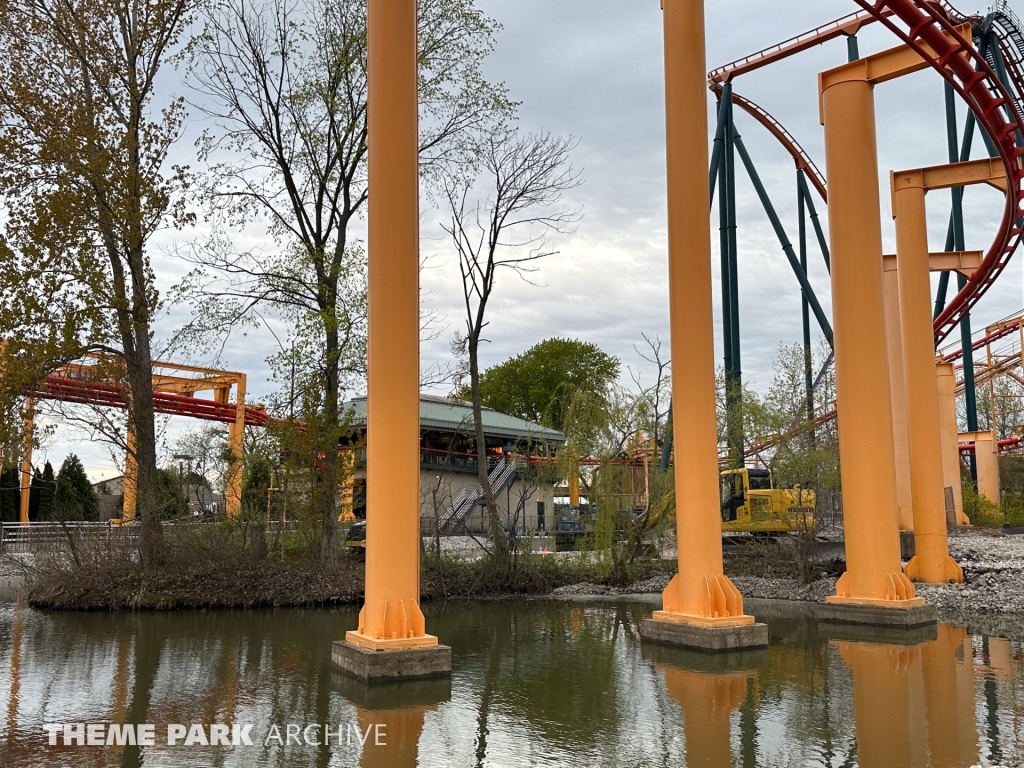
(500, 477)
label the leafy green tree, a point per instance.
(256, 479)
(74, 498)
(170, 500)
(538, 384)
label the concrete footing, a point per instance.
(722, 663)
(392, 694)
(708, 639)
(878, 615)
(390, 666)
(864, 633)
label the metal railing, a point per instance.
(34, 537)
(463, 503)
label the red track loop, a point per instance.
(785, 138)
(970, 75)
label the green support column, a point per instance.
(805, 311)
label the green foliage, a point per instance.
(257, 477)
(979, 510)
(170, 499)
(73, 498)
(538, 384)
(797, 453)
(529, 574)
(1013, 509)
(45, 491)
(10, 494)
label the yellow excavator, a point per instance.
(752, 504)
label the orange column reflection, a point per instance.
(394, 736)
(708, 701)
(949, 699)
(12, 702)
(888, 736)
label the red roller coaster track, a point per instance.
(935, 38)
(69, 390)
(920, 24)
(926, 27)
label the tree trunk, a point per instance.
(132, 313)
(498, 535)
(327, 499)
(140, 383)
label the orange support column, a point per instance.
(945, 381)
(931, 563)
(898, 397)
(236, 446)
(26, 461)
(574, 487)
(699, 594)
(874, 575)
(131, 477)
(391, 618)
(986, 452)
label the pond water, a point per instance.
(535, 683)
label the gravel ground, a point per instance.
(991, 600)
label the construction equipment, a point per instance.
(752, 504)
(355, 539)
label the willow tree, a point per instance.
(85, 183)
(284, 86)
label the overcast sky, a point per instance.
(593, 69)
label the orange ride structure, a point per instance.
(92, 381)
(898, 436)
(391, 641)
(701, 606)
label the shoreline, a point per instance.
(991, 597)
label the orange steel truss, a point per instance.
(95, 381)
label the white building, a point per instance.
(522, 471)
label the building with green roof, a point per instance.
(449, 487)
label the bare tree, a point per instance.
(525, 176)
(655, 399)
(285, 85)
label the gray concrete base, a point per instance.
(878, 615)
(720, 663)
(864, 633)
(389, 666)
(392, 694)
(713, 639)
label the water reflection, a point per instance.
(535, 683)
(708, 690)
